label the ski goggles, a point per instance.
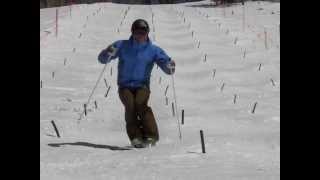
(141, 32)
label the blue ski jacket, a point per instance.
(136, 61)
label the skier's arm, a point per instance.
(111, 50)
(164, 61)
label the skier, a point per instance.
(137, 56)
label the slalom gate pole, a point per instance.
(176, 106)
(94, 88)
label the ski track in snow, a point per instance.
(230, 60)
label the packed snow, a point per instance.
(227, 81)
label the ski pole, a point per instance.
(95, 86)
(175, 102)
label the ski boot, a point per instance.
(149, 142)
(137, 143)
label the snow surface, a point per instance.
(239, 144)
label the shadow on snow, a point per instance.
(113, 148)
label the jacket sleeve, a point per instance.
(162, 59)
(104, 56)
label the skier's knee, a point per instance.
(141, 108)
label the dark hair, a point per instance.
(140, 24)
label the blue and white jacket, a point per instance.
(136, 61)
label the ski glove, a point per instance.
(111, 50)
(171, 65)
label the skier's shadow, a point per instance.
(86, 144)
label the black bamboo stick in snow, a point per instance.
(222, 87)
(214, 73)
(95, 104)
(85, 109)
(234, 99)
(173, 113)
(254, 107)
(55, 128)
(202, 142)
(273, 84)
(182, 117)
(259, 66)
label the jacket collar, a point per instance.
(139, 45)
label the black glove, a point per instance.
(171, 65)
(111, 50)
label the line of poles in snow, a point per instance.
(53, 73)
(181, 15)
(57, 16)
(265, 32)
(85, 107)
(56, 34)
(125, 14)
(253, 110)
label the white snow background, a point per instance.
(217, 82)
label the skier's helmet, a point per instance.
(140, 24)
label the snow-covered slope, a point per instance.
(217, 83)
